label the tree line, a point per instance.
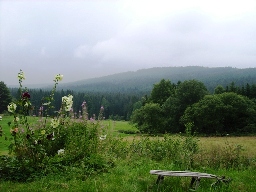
(188, 106)
(117, 106)
(169, 107)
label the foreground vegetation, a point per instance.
(131, 176)
(133, 156)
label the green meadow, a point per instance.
(133, 155)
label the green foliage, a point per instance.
(162, 91)
(221, 114)
(5, 97)
(171, 109)
(15, 170)
(149, 118)
(122, 165)
(226, 157)
(219, 89)
(161, 113)
(52, 143)
(188, 101)
(178, 150)
(245, 89)
(190, 92)
(189, 127)
(206, 115)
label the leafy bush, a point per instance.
(54, 143)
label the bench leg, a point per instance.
(159, 179)
(193, 180)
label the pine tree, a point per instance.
(5, 97)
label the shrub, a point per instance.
(53, 143)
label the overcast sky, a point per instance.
(85, 39)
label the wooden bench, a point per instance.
(196, 176)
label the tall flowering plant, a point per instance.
(19, 109)
(33, 143)
(65, 138)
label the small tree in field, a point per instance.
(5, 97)
(149, 118)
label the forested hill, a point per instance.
(143, 80)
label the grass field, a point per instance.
(130, 177)
(132, 173)
(121, 128)
(248, 143)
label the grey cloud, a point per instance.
(188, 39)
(84, 39)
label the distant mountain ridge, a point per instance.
(142, 80)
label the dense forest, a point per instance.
(122, 94)
(117, 106)
(142, 81)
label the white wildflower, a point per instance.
(58, 77)
(47, 103)
(61, 151)
(103, 137)
(26, 104)
(67, 102)
(16, 119)
(12, 107)
(55, 122)
(21, 75)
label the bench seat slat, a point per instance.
(182, 174)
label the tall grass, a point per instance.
(122, 162)
(5, 137)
